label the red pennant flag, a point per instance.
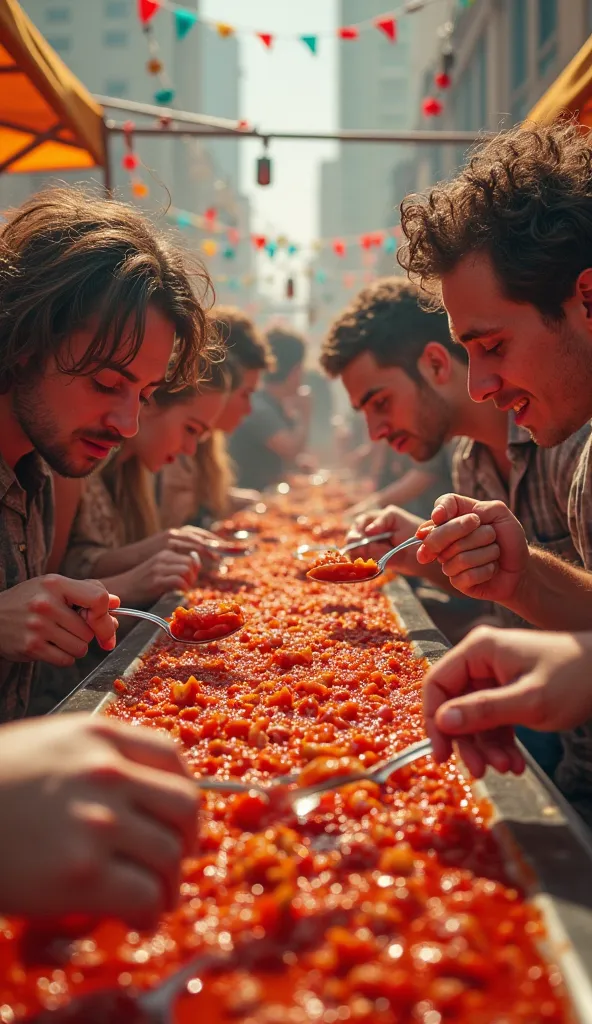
(259, 241)
(377, 238)
(147, 9)
(233, 235)
(348, 32)
(339, 247)
(366, 241)
(266, 39)
(388, 26)
(210, 215)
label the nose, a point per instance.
(123, 417)
(190, 445)
(482, 384)
(377, 429)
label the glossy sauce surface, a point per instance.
(385, 906)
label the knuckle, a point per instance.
(82, 864)
(52, 582)
(40, 604)
(105, 773)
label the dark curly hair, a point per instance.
(388, 320)
(525, 200)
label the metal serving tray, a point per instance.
(548, 848)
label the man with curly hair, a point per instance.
(506, 248)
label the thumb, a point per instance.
(487, 709)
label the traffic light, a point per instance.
(264, 170)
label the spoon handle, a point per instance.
(134, 613)
(363, 543)
(382, 562)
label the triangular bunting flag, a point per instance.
(266, 39)
(147, 9)
(184, 21)
(224, 30)
(348, 32)
(311, 42)
(388, 26)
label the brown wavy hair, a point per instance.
(525, 200)
(242, 338)
(67, 256)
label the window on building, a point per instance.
(117, 87)
(115, 38)
(61, 44)
(117, 8)
(519, 42)
(547, 35)
(58, 15)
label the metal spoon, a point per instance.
(134, 613)
(381, 564)
(117, 1006)
(307, 798)
(304, 549)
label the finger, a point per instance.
(513, 704)
(104, 627)
(127, 890)
(146, 842)
(469, 580)
(65, 641)
(450, 506)
(471, 757)
(467, 560)
(73, 622)
(52, 655)
(175, 581)
(169, 799)
(89, 594)
(443, 536)
(482, 537)
(141, 745)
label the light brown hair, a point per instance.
(67, 256)
(242, 338)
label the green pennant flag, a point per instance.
(311, 42)
(184, 21)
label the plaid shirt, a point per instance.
(26, 533)
(550, 492)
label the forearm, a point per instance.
(404, 490)
(119, 560)
(553, 594)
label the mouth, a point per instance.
(399, 443)
(97, 449)
(520, 409)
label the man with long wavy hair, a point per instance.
(96, 310)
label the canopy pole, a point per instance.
(107, 173)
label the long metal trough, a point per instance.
(547, 846)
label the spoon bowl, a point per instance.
(134, 613)
(381, 564)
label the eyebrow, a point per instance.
(475, 333)
(368, 397)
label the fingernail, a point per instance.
(439, 508)
(450, 718)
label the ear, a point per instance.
(435, 364)
(584, 290)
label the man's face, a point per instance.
(409, 414)
(74, 422)
(238, 406)
(541, 371)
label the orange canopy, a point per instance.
(48, 120)
(572, 91)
